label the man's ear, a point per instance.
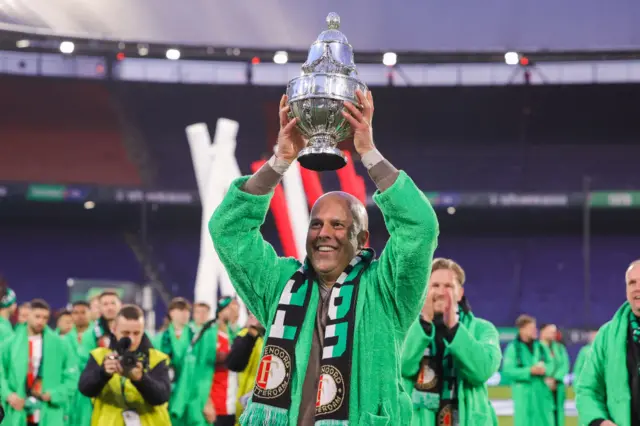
(363, 237)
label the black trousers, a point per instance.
(225, 421)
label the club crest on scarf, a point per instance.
(447, 417)
(331, 390)
(427, 378)
(274, 373)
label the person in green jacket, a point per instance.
(38, 372)
(560, 368)
(449, 355)
(8, 306)
(526, 363)
(191, 404)
(175, 340)
(336, 323)
(80, 315)
(608, 389)
(582, 356)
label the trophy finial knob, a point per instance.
(333, 21)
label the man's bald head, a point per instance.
(358, 211)
(338, 228)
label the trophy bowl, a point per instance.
(316, 98)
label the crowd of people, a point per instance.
(101, 364)
(344, 338)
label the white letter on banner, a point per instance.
(215, 167)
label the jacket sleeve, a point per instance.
(61, 394)
(155, 386)
(510, 368)
(240, 353)
(254, 268)
(405, 262)
(92, 379)
(590, 388)
(477, 357)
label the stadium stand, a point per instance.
(62, 131)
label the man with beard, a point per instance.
(608, 390)
(7, 307)
(337, 322)
(38, 372)
(100, 335)
(526, 363)
(449, 355)
(560, 368)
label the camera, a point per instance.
(128, 360)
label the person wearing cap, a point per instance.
(7, 307)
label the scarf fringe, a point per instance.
(331, 423)
(263, 415)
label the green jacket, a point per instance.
(81, 407)
(561, 365)
(6, 330)
(533, 402)
(602, 391)
(580, 360)
(390, 293)
(167, 342)
(58, 371)
(192, 390)
(476, 355)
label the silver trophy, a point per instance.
(329, 78)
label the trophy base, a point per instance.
(321, 159)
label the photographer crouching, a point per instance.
(129, 381)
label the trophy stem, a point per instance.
(321, 154)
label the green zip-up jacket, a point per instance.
(476, 356)
(533, 401)
(602, 390)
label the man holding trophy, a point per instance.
(337, 322)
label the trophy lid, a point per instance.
(333, 32)
(331, 52)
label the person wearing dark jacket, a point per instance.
(129, 381)
(244, 359)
